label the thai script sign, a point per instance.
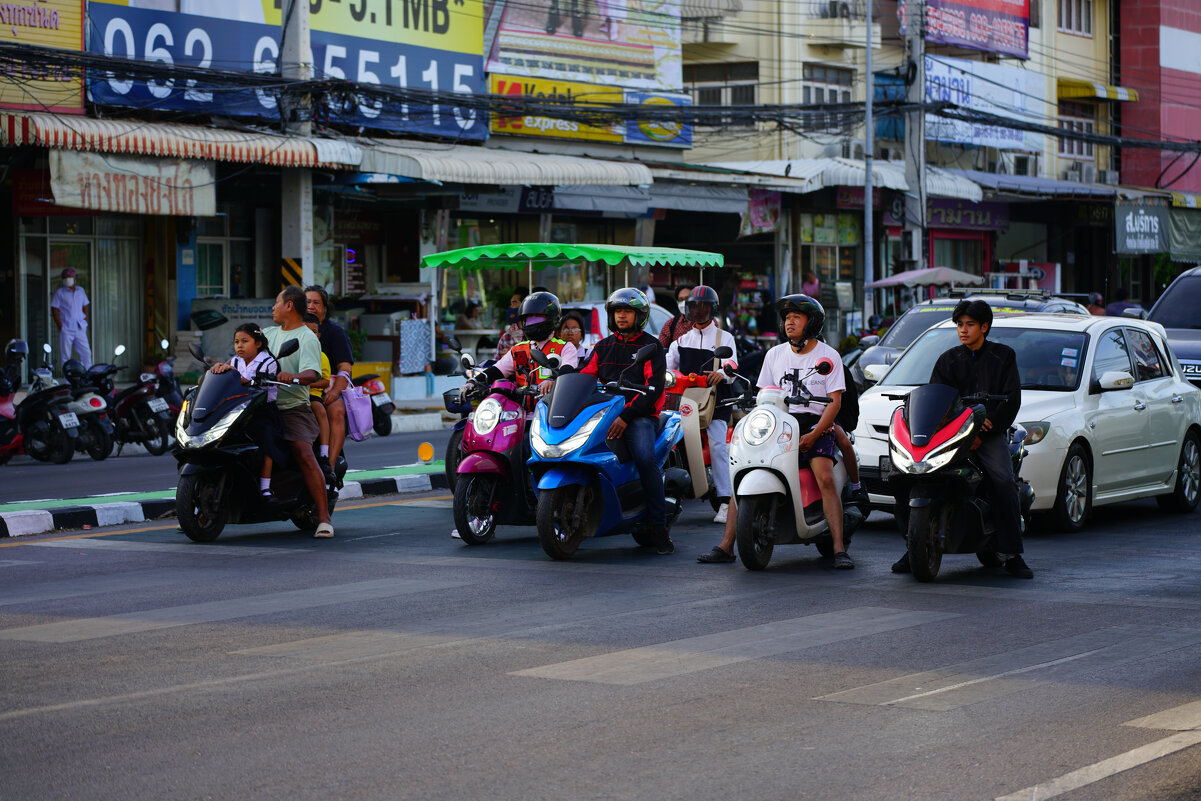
(990, 88)
(1141, 229)
(45, 23)
(995, 26)
(952, 213)
(104, 182)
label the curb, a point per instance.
(40, 521)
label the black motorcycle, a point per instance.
(41, 425)
(137, 413)
(219, 462)
(944, 503)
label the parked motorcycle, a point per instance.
(930, 449)
(41, 424)
(138, 414)
(219, 464)
(588, 485)
(95, 426)
(778, 499)
(692, 390)
(381, 403)
(493, 483)
(168, 386)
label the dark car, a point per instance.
(918, 319)
(1178, 310)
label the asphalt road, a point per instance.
(396, 663)
(24, 479)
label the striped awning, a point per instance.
(1075, 88)
(173, 140)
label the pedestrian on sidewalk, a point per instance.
(69, 305)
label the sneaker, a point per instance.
(1016, 567)
(902, 564)
(666, 547)
(715, 557)
(722, 512)
(843, 562)
(454, 534)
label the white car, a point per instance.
(1109, 414)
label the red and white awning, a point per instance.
(172, 140)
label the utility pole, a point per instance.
(914, 236)
(869, 144)
(296, 201)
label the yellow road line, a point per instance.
(23, 541)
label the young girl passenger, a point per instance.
(250, 359)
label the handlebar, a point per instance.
(980, 398)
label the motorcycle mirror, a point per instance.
(724, 352)
(288, 348)
(729, 369)
(669, 379)
(196, 351)
(645, 352)
(824, 367)
(164, 344)
(454, 343)
(467, 361)
(555, 360)
(541, 358)
(117, 351)
(46, 348)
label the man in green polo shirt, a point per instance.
(298, 371)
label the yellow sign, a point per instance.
(580, 94)
(46, 23)
(453, 25)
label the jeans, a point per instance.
(993, 458)
(639, 437)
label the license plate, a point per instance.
(885, 466)
(158, 405)
(69, 420)
(381, 399)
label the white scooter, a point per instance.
(693, 451)
(779, 502)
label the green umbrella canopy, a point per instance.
(539, 255)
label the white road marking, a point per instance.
(1186, 717)
(191, 548)
(680, 657)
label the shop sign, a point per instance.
(819, 229)
(762, 214)
(848, 229)
(851, 197)
(510, 200)
(45, 23)
(32, 196)
(1141, 229)
(991, 88)
(1184, 234)
(954, 213)
(133, 185)
(430, 45)
(552, 91)
(994, 26)
(360, 228)
(630, 43)
(658, 132)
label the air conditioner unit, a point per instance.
(1073, 173)
(853, 149)
(1088, 173)
(1107, 177)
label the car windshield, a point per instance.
(1178, 307)
(910, 325)
(1047, 360)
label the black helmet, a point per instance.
(815, 315)
(74, 371)
(701, 294)
(977, 309)
(628, 298)
(1095, 299)
(542, 305)
(16, 350)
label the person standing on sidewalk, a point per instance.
(69, 305)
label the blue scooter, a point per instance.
(587, 485)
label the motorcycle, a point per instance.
(779, 502)
(588, 485)
(381, 403)
(493, 483)
(41, 424)
(168, 386)
(949, 510)
(219, 462)
(455, 403)
(96, 429)
(693, 451)
(139, 415)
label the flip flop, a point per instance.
(716, 556)
(324, 531)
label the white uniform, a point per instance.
(70, 303)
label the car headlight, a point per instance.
(487, 416)
(1035, 432)
(758, 427)
(548, 451)
(213, 434)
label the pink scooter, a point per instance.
(493, 484)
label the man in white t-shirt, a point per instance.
(801, 319)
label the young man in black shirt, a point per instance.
(980, 367)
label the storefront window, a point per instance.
(118, 225)
(72, 226)
(966, 254)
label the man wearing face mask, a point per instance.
(679, 324)
(69, 305)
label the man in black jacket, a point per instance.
(628, 311)
(980, 367)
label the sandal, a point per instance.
(324, 531)
(716, 556)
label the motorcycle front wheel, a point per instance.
(453, 457)
(156, 432)
(201, 517)
(381, 422)
(556, 507)
(752, 531)
(476, 508)
(101, 442)
(924, 556)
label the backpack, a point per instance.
(848, 412)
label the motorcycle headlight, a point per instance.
(181, 423)
(938, 458)
(213, 434)
(1035, 432)
(487, 416)
(548, 451)
(758, 427)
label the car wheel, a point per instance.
(1074, 493)
(1187, 492)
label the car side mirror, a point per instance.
(872, 373)
(288, 348)
(1116, 379)
(1136, 313)
(723, 352)
(869, 341)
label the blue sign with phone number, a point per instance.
(172, 38)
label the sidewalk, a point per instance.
(23, 518)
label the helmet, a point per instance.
(16, 350)
(1095, 299)
(701, 294)
(542, 309)
(815, 315)
(74, 371)
(977, 309)
(628, 298)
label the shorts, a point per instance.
(300, 424)
(825, 445)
